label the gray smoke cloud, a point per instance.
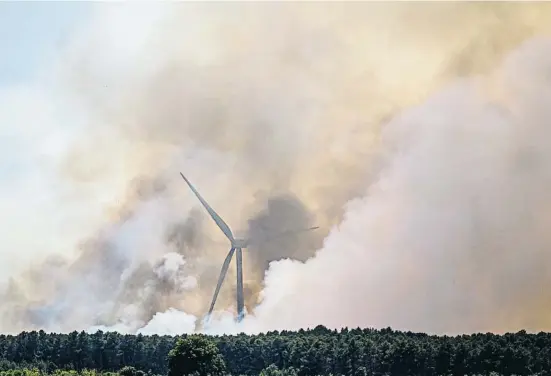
(453, 231)
(286, 116)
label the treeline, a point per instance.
(307, 352)
(58, 372)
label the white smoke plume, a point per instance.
(413, 134)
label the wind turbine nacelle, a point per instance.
(240, 243)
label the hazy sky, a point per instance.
(273, 110)
(32, 36)
(31, 33)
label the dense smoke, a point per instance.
(412, 134)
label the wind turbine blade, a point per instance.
(240, 298)
(223, 272)
(219, 221)
(282, 234)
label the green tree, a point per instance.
(195, 355)
(271, 370)
(130, 371)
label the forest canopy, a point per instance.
(319, 351)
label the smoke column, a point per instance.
(413, 134)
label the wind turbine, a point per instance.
(237, 245)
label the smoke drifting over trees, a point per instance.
(413, 134)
